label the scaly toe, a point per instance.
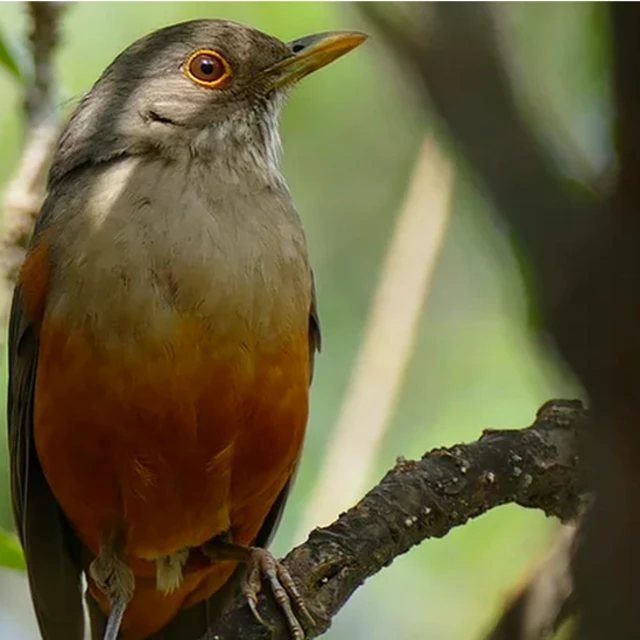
(290, 586)
(282, 587)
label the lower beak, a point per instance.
(312, 53)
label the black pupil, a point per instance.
(207, 66)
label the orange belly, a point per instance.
(168, 444)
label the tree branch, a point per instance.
(535, 467)
(24, 194)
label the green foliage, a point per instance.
(9, 56)
(10, 552)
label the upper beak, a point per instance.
(312, 53)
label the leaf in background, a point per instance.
(10, 552)
(8, 57)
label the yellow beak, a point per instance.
(312, 53)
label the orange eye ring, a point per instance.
(207, 68)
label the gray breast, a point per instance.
(144, 243)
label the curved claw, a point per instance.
(261, 563)
(290, 587)
(250, 590)
(283, 588)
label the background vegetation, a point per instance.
(351, 136)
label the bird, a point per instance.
(162, 339)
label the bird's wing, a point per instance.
(271, 523)
(194, 622)
(51, 549)
(315, 337)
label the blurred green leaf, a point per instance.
(10, 552)
(8, 58)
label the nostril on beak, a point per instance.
(297, 48)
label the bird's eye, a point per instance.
(208, 69)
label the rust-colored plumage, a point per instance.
(180, 421)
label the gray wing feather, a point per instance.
(51, 550)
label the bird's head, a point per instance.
(205, 87)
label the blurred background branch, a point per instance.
(452, 50)
(388, 342)
(545, 600)
(25, 192)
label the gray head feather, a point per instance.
(144, 104)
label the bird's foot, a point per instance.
(284, 590)
(261, 564)
(115, 579)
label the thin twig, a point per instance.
(389, 338)
(43, 40)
